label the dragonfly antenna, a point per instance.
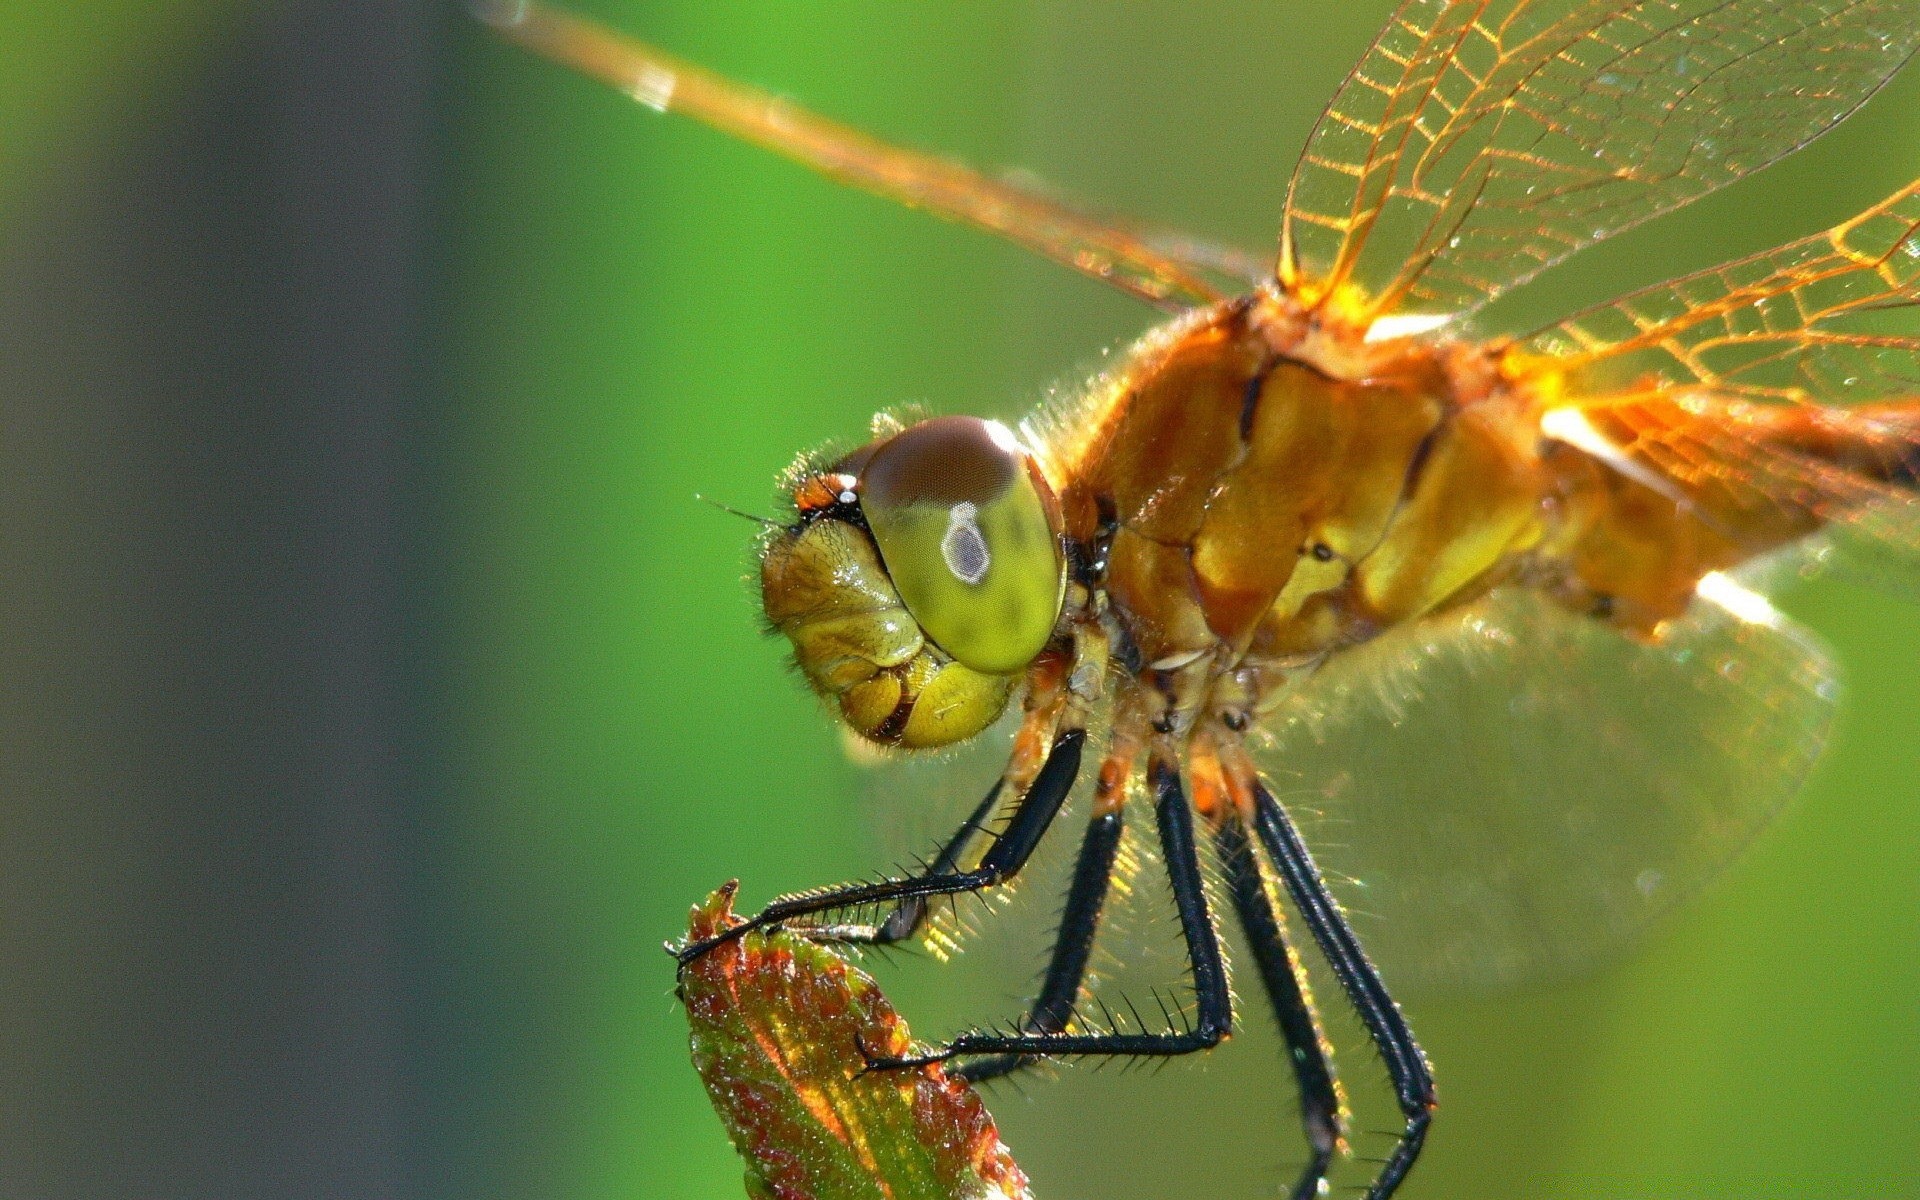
(769, 522)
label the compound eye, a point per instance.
(964, 534)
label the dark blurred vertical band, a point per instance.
(211, 312)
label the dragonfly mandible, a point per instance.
(1321, 522)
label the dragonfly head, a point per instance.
(922, 577)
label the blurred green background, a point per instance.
(384, 697)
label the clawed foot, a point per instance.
(686, 952)
(888, 1062)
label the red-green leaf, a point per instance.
(778, 1025)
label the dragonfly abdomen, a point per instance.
(1668, 487)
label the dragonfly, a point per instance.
(1337, 581)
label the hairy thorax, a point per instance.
(1250, 495)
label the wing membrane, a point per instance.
(1831, 317)
(1480, 141)
(1161, 266)
(1789, 378)
(1511, 791)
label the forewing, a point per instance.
(1162, 266)
(1480, 141)
(1510, 792)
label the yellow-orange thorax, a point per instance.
(1254, 499)
(1249, 506)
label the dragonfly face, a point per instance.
(1482, 601)
(921, 578)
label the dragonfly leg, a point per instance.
(1037, 808)
(1322, 1108)
(1045, 717)
(1386, 1025)
(1053, 1009)
(909, 916)
(1214, 1018)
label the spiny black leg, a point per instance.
(1286, 984)
(1215, 1005)
(910, 914)
(1406, 1065)
(1072, 946)
(1015, 845)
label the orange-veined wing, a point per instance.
(1479, 142)
(1789, 378)
(1509, 791)
(1513, 789)
(1832, 318)
(1164, 267)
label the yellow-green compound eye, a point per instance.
(965, 538)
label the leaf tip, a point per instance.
(781, 1031)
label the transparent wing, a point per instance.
(1510, 792)
(1830, 318)
(1480, 141)
(1161, 266)
(1788, 379)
